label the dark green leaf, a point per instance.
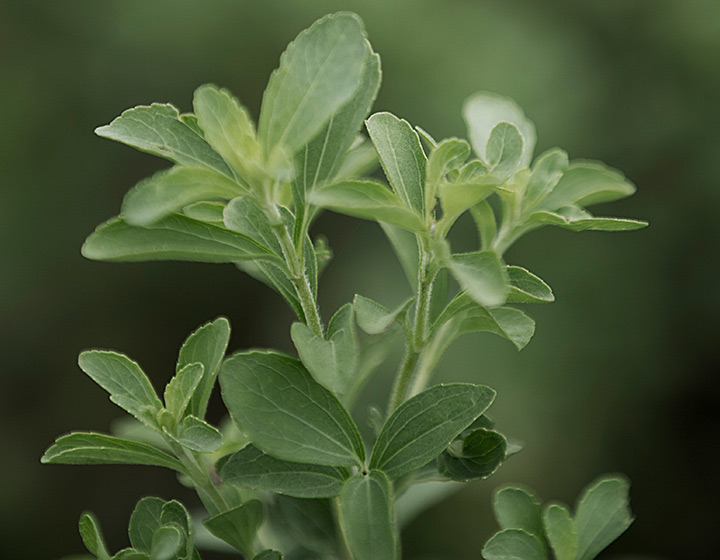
(516, 508)
(286, 413)
(482, 275)
(251, 468)
(525, 287)
(514, 544)
(145, 519)
(367, 518)
(423, 426)
(92, 536)
(560, 531)
(238, 526)
(482, 453)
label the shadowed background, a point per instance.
(619, 375)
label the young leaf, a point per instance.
(319, 72)
(238, 526)
(516, 508)
(251, 468)
(86, 448)
(176, 237)
(546, 172)
(602, 514)
(286, 413)
(456, 198)
(245, 216)
(167, 540)
(374, 318)
(229, 130)
(505, 150)
(158, 130)
(449, 155)
(207, 346)
(560, 531)
(367, 519)
(401, 156)
(368, 200)
(181, 388)
(127, 384)
(525, 287)
(92, 536)
(169, 191)
(482, 275)
(145, 519)
(576, 219)
(484, 111)
(484, 218)
(514, 544)
(423, 426)
(198, 435)
(205, 211)
(332, 362)
(482, 453)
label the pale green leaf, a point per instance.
(166, 543)
(367, 519)
(401, 156)
(576, 219)
(176, 237)
(545, 174)
(125, 381)
(482, 453)
(169, 191)
(359, 160)
(198, 435)
(602, 514)
(482, 275)
(505, 150)
(84, 448)
(157, 129)
(181, 388)
(92, 537)
(525, 287)
(427, 138)
(516, 508)
(206, 211)
(560, 531)
(514, 544)
(244, 215)
(238, 526)
(449, 155)
(484, 218)
(456, 198)
(425, 425)
(251, 468)
(319, 72)
(374, 318)
(286, 413)
(207, 346)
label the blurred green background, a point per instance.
(622, 372)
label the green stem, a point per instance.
(402, 380)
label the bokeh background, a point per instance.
(622, 374)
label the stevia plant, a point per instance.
(289, 475)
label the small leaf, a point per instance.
(92, 536)
(602, 514)
(166, 542)
(128, 554)
(456, 198)
(127, 384)
(198, 435)
(157, 129)
(505, 150)
(546, 172)
(176, 237)
(87, 448)
(482, 275)
(181, 388)
(514, 544)
(238, 526)
(560, 531)
(207, 346)
(367, 518)
(401, 156)
(516, 508)
(286, 413)
(145, 519)
(423, 426)
(169, 191)
(484, 218)
(368, 200)
(482, 453)
(244, 215)
(525, 287)
(251, 468)
(269, 555)
(374, 318)
(449, 155)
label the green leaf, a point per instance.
(91, 534)
(286, 413)
(525, 287)
(368, 200)
(484, 218)
(319, 72)
(546, 172)
(127, 384)
(269, 555)
(169, 191)
(560, 531)
(585, 183)
(332, 362)
(158, 130)
(423, 426)
(374, 318)
(251, 468)
(129, 554)
(206, 212)
(401, 156)
(482, 275)
(514, 544)
(181, 388)
(87, 448)
(482, 453)
(456, 198)
(207, 346)
(602, 514)
(483, 111)
(276, 278)
(449, 155)
(145, 519)
(176, 237)
(405, 245)
(198, 435)
(505, 150)
(238, 526)
(229, 130)
(245, 216)
(166, 543)
(516, 508)
(367, 519)
(307, 523)
(361, 159)
(576, 219)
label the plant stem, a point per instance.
(402, 380)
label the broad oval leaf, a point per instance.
(166, 543)
(367, 518)
(525, 287)
(482, 453)
(514, 544)
(251, 468)
(560, 531)
(423, 426)
(286, 413)
(238, 526)
(145, 519)
(505, 150)
(516, 508)
(482, 275)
